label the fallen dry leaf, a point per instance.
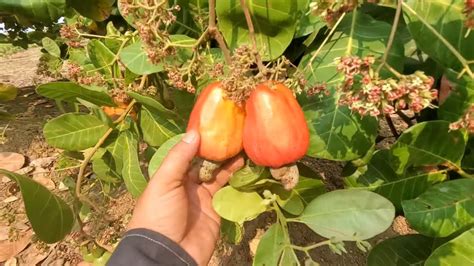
(10, 199)
(47, 182)
(21, 225)
(4, 232)
(9, 249)
(43, 162)
(62, 187)
(11, 262)
(11, 161)
(25, 170)
(33, 255)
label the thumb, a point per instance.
(176, 163)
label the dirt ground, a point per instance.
(24, 135)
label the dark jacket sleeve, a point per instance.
(143, 247)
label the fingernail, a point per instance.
(190, 136)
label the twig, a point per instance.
(248, 18)
(391, 38)
(349, 44)
(215, 33)
(464, 174)
(194, 45)
(324, 42)
(405, 118)
(391, 126)
(88, 157)
(310, 247)
(393, 70)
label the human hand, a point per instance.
(178, 206)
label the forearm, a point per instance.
(141, 247)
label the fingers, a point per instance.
(223, 174)
(176, 163)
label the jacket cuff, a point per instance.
(143, 247)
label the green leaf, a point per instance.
(7, 92)
(232, 232)
(274, 23)
(309, 188)
(78, 56)
(289, 201)
(131, 172)
(447, 18)
(51, 218)
(115, 146)
(101, 57)
(186, 18)
(248, 175)
(349, 215)
(380, 176)
(401, 250)
(460, 98)
(160, 154)
(455, 252)
(415, 146)
(443, 209)
(98, 10)
(237, 206)
(184, 102)
(51, 46)
(151, 104)
(74, 131)
(309, 24)
(136, 59)
(46, 11)
(288, 257)
(155, 128)
(70, 92)
(467, 162)
(337, 133)
(271, 247)
(106, 169)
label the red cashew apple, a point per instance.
(220, 123)
(275, 130)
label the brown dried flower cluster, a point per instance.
(469, 13)
(467, 121)
(331, 10)
(180, 81)
(75, 73)
(69, 33)
(318, 89)
(152, 19)
(240, 80)
(367, 94)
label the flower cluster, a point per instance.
(469, 13)
(152, 21)
(331, 10)
(364, 92)
(240, 81)
(318, 89)
(467, 121)
(179, 81)
(75, 73)
(70, 34)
